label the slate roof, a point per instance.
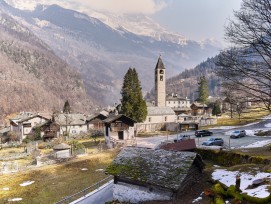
(160, 168)
(4, 130)
(200, 105)
(160, 64)
(153, 111)
(113, 117)
(70, 119)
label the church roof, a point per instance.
(160, 64)
(154, 111)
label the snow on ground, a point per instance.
(84, 169)
(257, 144)
(5, 189)
(248, 132)
(99, 170)
(266, 117)
(229, 177)
(15, 199)
(197, 199)
(27, 183)
(224, 127)
(268, 125)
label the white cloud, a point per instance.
(124, 6)
(112, 6)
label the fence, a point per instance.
(85, 191)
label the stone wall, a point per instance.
(152, 127)
(135, 194)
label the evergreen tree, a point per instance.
(203, 90)
(216, 109)
(132, 102)
(67, 107)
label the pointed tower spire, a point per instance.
(160, 83)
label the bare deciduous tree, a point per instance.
(248, 63)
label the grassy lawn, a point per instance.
(54, 182)
(250, 115)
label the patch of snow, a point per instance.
(5, 189)
(99, 170)
(15, 199)
(257, 144)
(27, 183)
(197, 199)
(224, 127)
(250, 132)
(266, 117)
(84, 169)
(41, 23)
(229, 178)
(268, 125)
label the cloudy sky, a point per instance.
(195, 19)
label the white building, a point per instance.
(160, 115)
(24, 122)
(175, 101)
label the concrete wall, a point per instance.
(134, 194)
(160, 119)
(152, 127)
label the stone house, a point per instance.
(48, 130)
(200, 109)
(143, 174)
(178, 104)
(71, 124)
(23, 123)
(119, 128)
(95, 121)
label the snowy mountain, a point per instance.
(103, 48)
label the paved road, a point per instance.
(154, 141)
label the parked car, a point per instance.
(182, 137)
(238, 134)
(213, 142)
(202, 133)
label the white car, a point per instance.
(182, 137)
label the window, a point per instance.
(165, 118)
(74, 131)
(161, 78)
(149, 119)
(161, 71)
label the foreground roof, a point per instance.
(161, 168)
(152, 111)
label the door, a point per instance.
(121, 135)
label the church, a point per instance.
(160, 113)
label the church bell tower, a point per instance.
(160, 84)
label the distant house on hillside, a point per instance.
(142, 174)
(23, 123)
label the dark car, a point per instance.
(213, 142)
(202, 133)
(238, 134)
(182, 137)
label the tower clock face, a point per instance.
(161, 71)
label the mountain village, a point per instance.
(203, 136)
